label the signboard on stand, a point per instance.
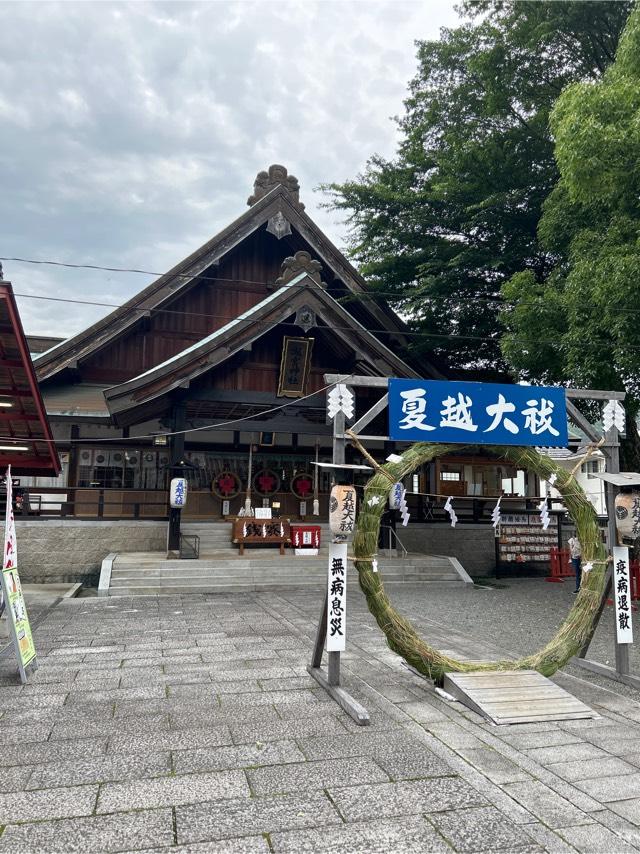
(477, 413)
(15, 608)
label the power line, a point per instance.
(370, 295)
(255, 416)
(227, 319)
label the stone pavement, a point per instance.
(190, 723)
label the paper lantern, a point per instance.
(627, 509)
(395, 496)
(178, 493)
(342, 510)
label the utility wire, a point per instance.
(255, 416)
(227, 319)
(370, 295)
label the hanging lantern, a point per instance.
(342, 510)
(627, 509)
(178, 493)
(395, 496)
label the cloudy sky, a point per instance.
(130, 133)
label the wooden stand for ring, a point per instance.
(330, 680)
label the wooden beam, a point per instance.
(595, 394)
(356, 380)
(368, 417)
(582, 422)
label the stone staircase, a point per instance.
(220, 569)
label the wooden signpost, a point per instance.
(332, 627)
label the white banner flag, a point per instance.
(622, 588)
(337, 598)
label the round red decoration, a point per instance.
(226, 485)
(266, 482)
(302, 486)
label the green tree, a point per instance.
(581, 322)
(438, 229)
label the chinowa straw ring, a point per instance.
(401, 635)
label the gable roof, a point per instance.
(301, 291)
(181, 277)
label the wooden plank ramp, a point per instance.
(515, 696)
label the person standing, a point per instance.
(575, 549)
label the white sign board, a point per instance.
(622, 588)
(225, 508)
(303, 508)
(263, 512)
(337, 598)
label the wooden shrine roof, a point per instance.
(181, 277)
(301, 291)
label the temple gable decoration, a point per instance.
(276, 175)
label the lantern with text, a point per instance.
(342, 511)
(178, 493)
(627, 506)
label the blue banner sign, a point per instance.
(477, 413)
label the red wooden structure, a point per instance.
(26, 441)
(560, 562)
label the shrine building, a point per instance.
(232, 345)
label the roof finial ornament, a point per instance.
(276, 175)
(301, 262)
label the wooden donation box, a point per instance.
(247, 530)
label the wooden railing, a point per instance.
(88, 503)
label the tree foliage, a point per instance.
(581, 322)
(439, 229)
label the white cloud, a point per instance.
(132, 132)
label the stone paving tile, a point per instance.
(411, 835)
(483, 829)
(187, 739)
(245, 845)
(292, 683)
(626, 830)
(382, 800)
(566, 753)
(241, 756)
(629, 809)
(99, 833)
(607, 789)
(595, 838)
(15, 779)
(47, 804)
(241, 817)
(453, 735)
(548, 839)
(171, 791)
(133, 725)
(620, 747)
(21, 734)
(585, 769)
(102, 769)
(205, 716)
(282, 779)
(528, 740)
(116, 695)
(496, 767)
(273, 698)
(52, 751)
(397, 753)
(547, 805)
(275, 729)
